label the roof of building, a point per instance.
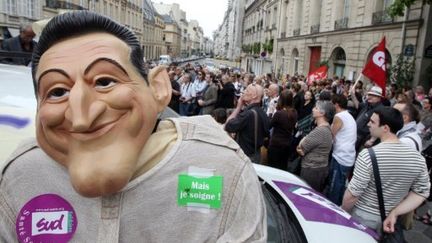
(149, 11)
(167, 19)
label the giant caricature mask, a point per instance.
(95, 111)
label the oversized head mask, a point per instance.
(96, 110)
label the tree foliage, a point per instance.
(256, 48)
(402, 72)
(398, 6)
(268, 46)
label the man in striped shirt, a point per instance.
(403, 173)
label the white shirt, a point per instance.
(344, 143)
(198, 87)
(271, 108)
(186, 90)
(408, 134)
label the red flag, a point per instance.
(318, 74)
(375, 68)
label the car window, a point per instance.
(282, 225)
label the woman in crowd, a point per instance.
(226, 93)
(198, 88)
(316, 146)
(209, 99)
(309, 103)
(419, 93)
(283, 123)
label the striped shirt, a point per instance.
(316, 146)
(401, 169)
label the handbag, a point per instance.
(397, 236)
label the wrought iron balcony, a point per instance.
(283, 35)
(381, 17)
(273, 26)
(63, 5)
(341, 24)
(315, 29)
(296, 32)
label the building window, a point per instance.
(387, 4)
(346, 8)
(11, 7)
(338, 59)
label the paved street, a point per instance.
(420, 233)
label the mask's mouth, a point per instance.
(93, 133)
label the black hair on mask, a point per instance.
(83, 22)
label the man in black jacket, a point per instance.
(22, 43)
(365, 111)
(226, 94)
(252, 125)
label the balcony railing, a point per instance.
(283, 35)
(63, 5)
(296, 32)
(273, 26)
(381, 17)
(341, 24)
(315, 29)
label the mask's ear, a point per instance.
(161, 86)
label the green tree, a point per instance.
(402, 72)
(268, 46)
(256, 48)
(398, 6)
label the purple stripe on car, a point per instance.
(14, 121)
(314, 207)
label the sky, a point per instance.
(208, 13)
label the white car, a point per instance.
(165, 59)
(17, 108)
(295, 212)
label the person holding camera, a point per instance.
(186, 95)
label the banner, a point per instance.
(375, 68)
(318, 74)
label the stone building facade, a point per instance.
(344, 33)
(255, 30)
(172, 36)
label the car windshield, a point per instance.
(282, 225)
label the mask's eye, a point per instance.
(104, 83)
(57, 93)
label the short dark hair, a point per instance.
(341, 100)
(412, 112)
(325, 95)
(220, 115)
(296, 87)
(285, 100)
(79, 23)
(391, 117)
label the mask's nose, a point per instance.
(84, 108)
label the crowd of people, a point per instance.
(320, 131)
